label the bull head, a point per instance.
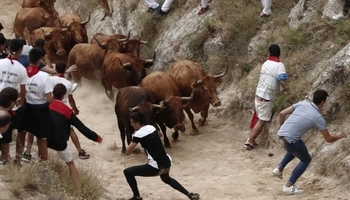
(86, 21)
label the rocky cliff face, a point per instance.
(170, 40)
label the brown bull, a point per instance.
(165, 90)
(29, 19)
(137, 98)
(190, 76)
(129, 46)
(48, 5)
(54, 43)
(122, 70)
(77, 26)
(89, 59)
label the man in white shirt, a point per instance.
(13, 75)
(36, 118)
(272, 78)
(161, 9)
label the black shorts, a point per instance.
(37, 120)
(16, 119)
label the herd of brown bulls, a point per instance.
(115, 61)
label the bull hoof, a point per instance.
(195, 131)
(167, 145)
(175, 136)
(202, 122)
(123, 150)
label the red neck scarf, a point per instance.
(11, 58)
(60, 75)
(32, 70)
(274, 58)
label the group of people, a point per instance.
(37, 104)
(303, 116)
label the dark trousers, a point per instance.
(346, 6)
(148, 171)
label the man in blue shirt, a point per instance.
(303, 116)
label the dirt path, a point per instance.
(212, 163)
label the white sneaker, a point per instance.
(292, 190)
(338, 16)
(276, 172)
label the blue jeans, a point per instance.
(299, 150)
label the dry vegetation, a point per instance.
(51, 179)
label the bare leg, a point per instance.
(5, 151)
(42, 146)
(20, 145)
(256, 131)
(74, 174)
(30, 141)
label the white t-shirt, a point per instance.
(37, 86)
(26, 49)
(12, 75)
(268, 83)
(56, 79)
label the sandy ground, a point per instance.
(212, 163)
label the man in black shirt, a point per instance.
(159, 161)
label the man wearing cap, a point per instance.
(272, 77)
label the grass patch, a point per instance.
(52, 179)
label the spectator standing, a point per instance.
(344, 12)
(161, 9)
(64, 118)
(8, 99)
(266, 12)
(13, 75)
(204, 6)
(303, 116)
(68, 98)
(37, 118)
(272, 77)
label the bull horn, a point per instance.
(47, 34)
(60, 23)
(125, 39)
(143, 41)
(136, 108)
(160, 105)
(127, 66)
(103, 46)
(151, 60)
(64, 29)
(190, 97)
(86, 21)
(196, 82)
(222, 74)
